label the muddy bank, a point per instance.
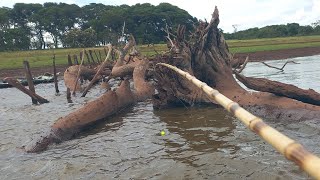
(279, 54)
(35, 71)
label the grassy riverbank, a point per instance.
(42, 58)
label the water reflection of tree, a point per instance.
(196, 131)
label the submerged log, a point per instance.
(18, 85)
(280, 89)
(106, 105)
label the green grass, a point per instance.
(41, 58)
(249, 49)
(273, 41)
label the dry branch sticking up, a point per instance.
(172, 46)
(95, 78)
(18, 85)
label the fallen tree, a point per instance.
(205, 55)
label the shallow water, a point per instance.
(200, 142)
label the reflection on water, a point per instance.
(200, 142)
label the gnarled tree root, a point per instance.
(106, 105)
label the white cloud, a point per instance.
(245, 13)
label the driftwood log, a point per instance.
(281, 89)
(107, 105)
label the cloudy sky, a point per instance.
(242, 13)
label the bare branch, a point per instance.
(168, 37)
(243, 65)
(282, 68)
(95, 78)
(124, 51)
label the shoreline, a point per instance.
(253, 57)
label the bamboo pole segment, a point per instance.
(292, 150)
(78, 74)
(18, 85)
(55, 72)
(29, 79)
(95, 78)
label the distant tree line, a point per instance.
(291, 29)
(31, 26)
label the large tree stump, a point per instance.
(205, 55)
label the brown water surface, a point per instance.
(200, 142)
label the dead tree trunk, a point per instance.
(206, 56)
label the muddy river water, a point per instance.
(200, 142)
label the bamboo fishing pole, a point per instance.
(292, 150)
